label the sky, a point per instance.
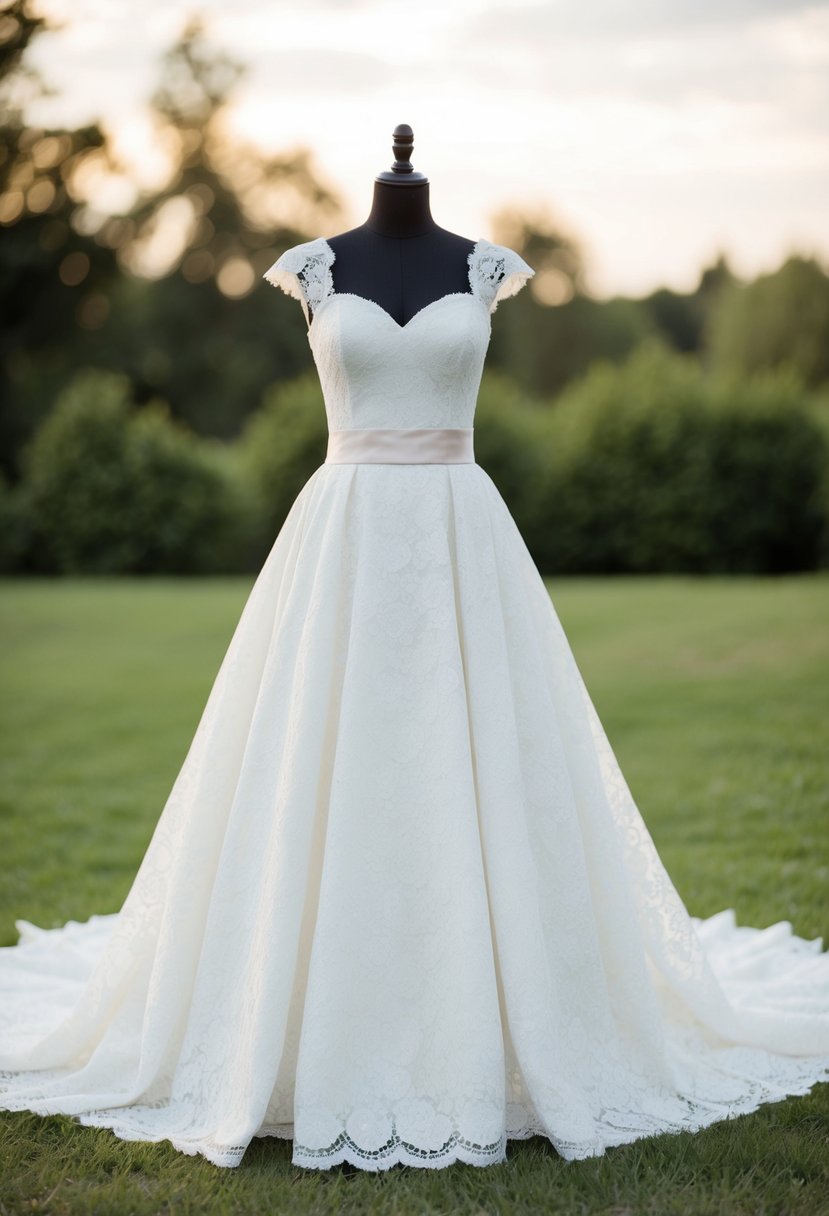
(657, 135)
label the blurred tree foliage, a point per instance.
(167, 297)
(166, 292)
(552, 333)
(680, 318)
(279, 449)
(47, 260)
(655, 466)
(779, 320)
(109, 489)
(650, 466)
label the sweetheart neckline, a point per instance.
(351, 295)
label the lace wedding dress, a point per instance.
(400, 905)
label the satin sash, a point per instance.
(376, 445)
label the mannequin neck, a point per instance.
(400, 258)
(400, 211)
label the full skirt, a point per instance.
(400, 905)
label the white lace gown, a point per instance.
(400, 905)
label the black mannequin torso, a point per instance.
(399, 257)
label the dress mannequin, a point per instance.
(399, 257)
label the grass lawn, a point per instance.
(715, 696)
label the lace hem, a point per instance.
(788, 1077)
(613, 1129)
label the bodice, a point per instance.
(375, 372)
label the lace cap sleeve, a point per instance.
(304, 273)
(499, 272)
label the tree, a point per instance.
(80, 287)
(779, 320)
(195, 327)
(52, 268)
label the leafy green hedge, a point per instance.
(279, 449)
(110, 489)
(649, 466)
(654, 467)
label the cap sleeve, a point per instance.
(304, 273)
(501, 272)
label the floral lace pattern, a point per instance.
(304, 273)
(376, 373)
(400, 905)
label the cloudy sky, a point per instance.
(658, 133)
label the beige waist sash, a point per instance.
(374, 445)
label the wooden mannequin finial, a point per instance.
(401, 172)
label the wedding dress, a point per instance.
(400, 905)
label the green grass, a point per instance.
(715, 696)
